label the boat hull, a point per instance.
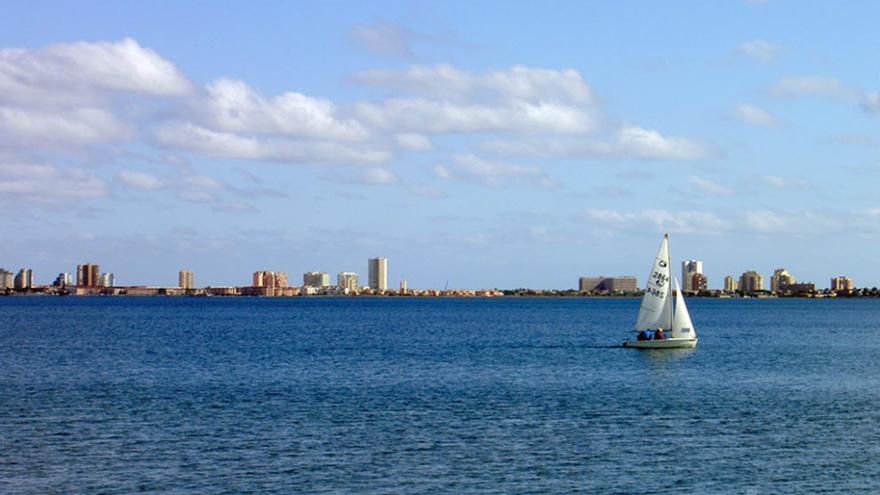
(661, 344)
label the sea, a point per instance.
(119, 395)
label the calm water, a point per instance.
(122, 395)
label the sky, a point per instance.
(473, 144)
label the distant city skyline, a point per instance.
(519, 145)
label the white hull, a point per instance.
(662, 344)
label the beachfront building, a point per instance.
(751, 282)
(63, 280)
(378, 271)
(842, 283)
(87, 275)
(730, 284)
(7, 279)
(107, 280)
(185, 279)
(24, 279)
(608, 284)
(689, 269)
(270, 279)
(347, 280)
(316, 279)
(781, 279)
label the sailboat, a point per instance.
(661, 311)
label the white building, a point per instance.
(347, 280)
(107, 280)
(316, 279)
(185, 279)
(7, 279)
(378, 269)
(780, 279)
(689, 268)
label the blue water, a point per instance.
(385, 395)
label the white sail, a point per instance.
(682, 327)
(656, 309)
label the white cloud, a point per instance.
(433, 116)
(709, 186)
(784, 183)
(385, 38)
(683, 222)
(190, 137)
(648, 143)
(204, 182)
(448, 99)
(628, 141)
(378, 176)
(196, 196)
(757, 116)
(761, 50)
(829, 87)
(493, 173)
(518, 82)
(414, 142)
(140, 180)
(426, 191)
(41, 183)
(871, 102)
(233, 106)
(48, 128)
(83, 73)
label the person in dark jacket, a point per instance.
(658, 335)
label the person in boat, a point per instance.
(644, 335)
(658, 335)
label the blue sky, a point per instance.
(479, 144)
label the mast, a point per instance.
(669, 285)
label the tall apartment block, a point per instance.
(609, 284)
(87, 275)
(7, 279)
(378, 269)
(750, 282)
(781, 279)
(689, 269)
(316, 279)
(347, 280)
(185, 279)
(24, 279)
(730, 284)
(842, 283)
(270, 279)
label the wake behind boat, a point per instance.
(663, 321)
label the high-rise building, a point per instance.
(780, 279)
(107, 280)
(316, 279)
(63, 280)
(185, 279)
(270, 279)
(699, 282)
(689, 268)
(403, 286)
(609, 284)
(378, 269)
(730, 284)
(347, 280)
(87, 275)
(751, 282)
(842, 283)
(24, 279)
(7, 279)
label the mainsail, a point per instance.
(656, 309)
(681, 324)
